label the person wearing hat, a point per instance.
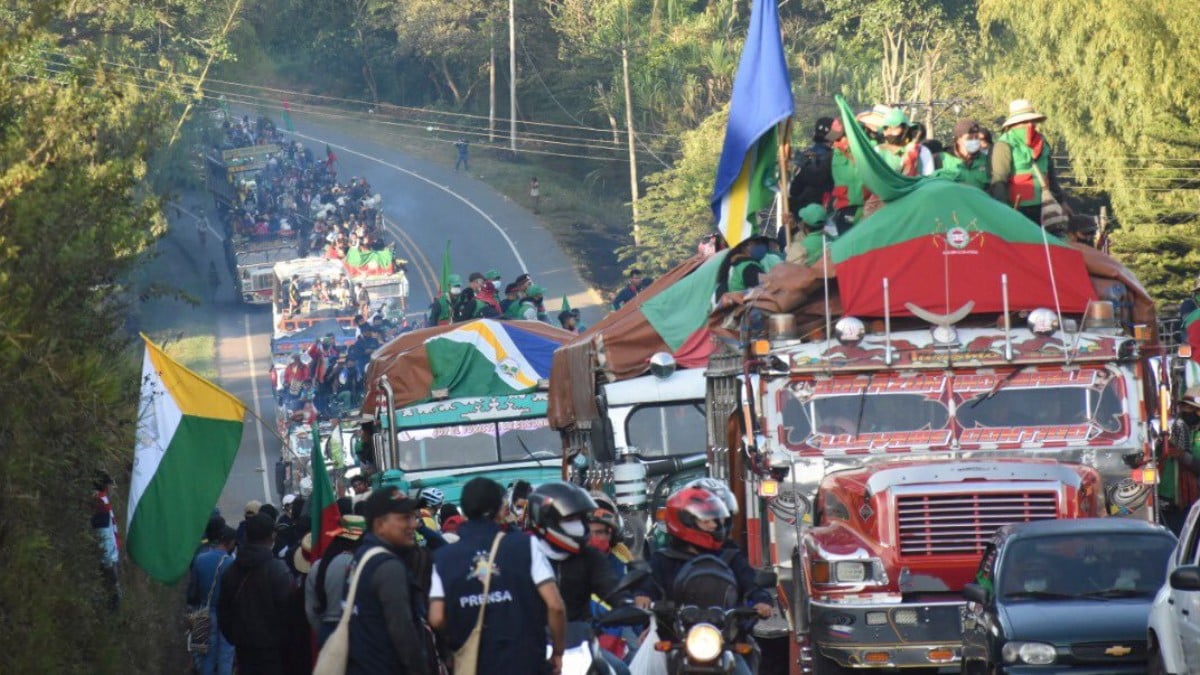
(204, 581)
(386, 631)
(749, 261)
(253, 603)
(1179, 462)
(849, 194)
(532, 307)
(1081, 229)
(327, 578)
(1019, 154)
(895, 149)
(813, 181)
(484, 302)
(1189, 305)
(965, 162)
(252, 507)
(811, 247)
(441, 313)
(510, 306)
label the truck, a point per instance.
(312, 310)
(877, 421)
(254, 265)
(230, 173)
(448, 403)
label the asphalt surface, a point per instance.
(425, 204)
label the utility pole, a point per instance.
(492, 81)
(633, 177)
(512, 76)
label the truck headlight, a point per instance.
(704, 642)
(851, 571)
(1033, 653)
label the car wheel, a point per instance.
(1154, 659)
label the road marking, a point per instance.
(196, 217)
(512, 247)
(420, 263)
(262, 448)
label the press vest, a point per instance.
(1024, 189)
(514, 634)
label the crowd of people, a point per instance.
(417, 568)
(480, 298)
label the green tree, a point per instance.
(1118, 82)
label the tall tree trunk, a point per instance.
(450, 83)
(368, 73)
(512, 76)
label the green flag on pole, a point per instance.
(323, 504)
(287, 117)
(566, 306)
(444, 279)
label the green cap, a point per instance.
(813, 215)
(491, 275)
(454, 280)
(534, 291)
(895, 118)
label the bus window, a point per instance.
(670, 429)
(528, 440)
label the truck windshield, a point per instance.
(1114, 565)
(1045, 406)
(672, 429)
(462, 445)
(880, 413)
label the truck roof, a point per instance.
(309, 267)
(687, 384)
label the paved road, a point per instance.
(426, 205)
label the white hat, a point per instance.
(1021, 110)
(288, 499)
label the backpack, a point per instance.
(707, 581)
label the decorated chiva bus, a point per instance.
(449, 403)
(942, 369)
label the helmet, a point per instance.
(606, 511)
(686, 508)
(556, 514)
(431, 497)
(719, 489)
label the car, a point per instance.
(1065, 596)
(1173, 633)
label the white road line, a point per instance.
(197, 218)
(262, 448)
(443, 188)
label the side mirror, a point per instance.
(1186, 578)
(975, 593)
(766, 578)
(633, 578)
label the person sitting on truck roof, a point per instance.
(753, 259)
(532, 307)
(294, 294)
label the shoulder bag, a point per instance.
(466, 657)
(1054, 218)
(335, 653)
(199, 623)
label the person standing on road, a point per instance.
(327, 578)
(204, 590)
(523, 598)
(251, 610)
(535, 193)
(386, 628)
(460, 147)
(202, 232)
(214, 280)
(1178, 485)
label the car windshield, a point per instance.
(461, 445)
(1114, 565)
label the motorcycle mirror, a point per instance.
(766, 578)
(634, 577)
(628, 615)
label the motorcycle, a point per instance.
(700, 635)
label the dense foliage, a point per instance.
(78, 132)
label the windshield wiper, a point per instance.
(1040, 595)
(862, 404)
(526, 449)
(1115, 593)
(995, 388)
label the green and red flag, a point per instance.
(679, 314)
(945, 244)
(287, 117)
(188, 434)
(1191, 331)
(330, 158)
(323, 502)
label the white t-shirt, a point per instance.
(540, 570)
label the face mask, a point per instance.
(574, 528)
(602, 544)
(894, 138)
(972, 145)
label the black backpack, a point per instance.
(707, 581)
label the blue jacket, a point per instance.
(514, 635)
(202, 576)
(385, 632)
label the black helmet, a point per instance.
(558, 513)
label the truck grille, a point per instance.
(964, 523)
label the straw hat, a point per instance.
(1021, 110)
(300, 557)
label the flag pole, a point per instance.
(783, 132)
(273, 430)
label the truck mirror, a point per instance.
(602, 436)
(1186, 578)
(975, 593)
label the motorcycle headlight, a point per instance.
(704, 642)
(1032, 653)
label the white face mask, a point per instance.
(574, 528)
(972, 145)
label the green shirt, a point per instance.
(975, 171)
(1168, 469)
